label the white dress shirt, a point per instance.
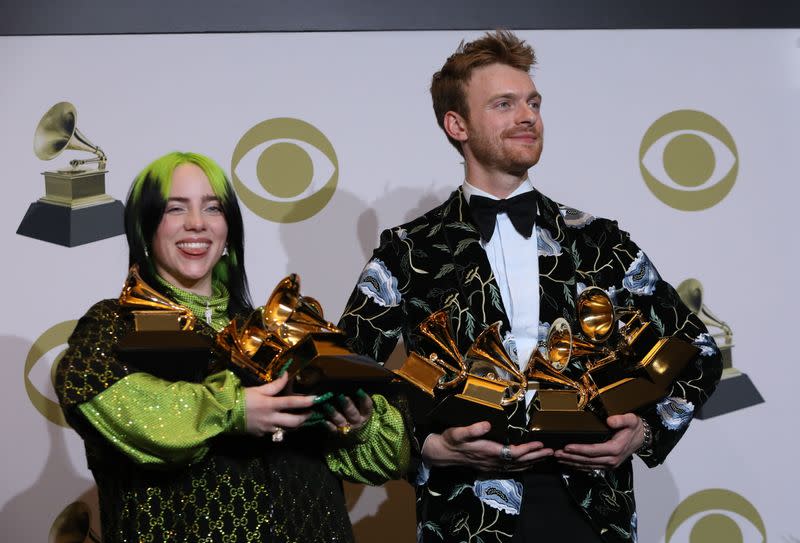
(515, 263)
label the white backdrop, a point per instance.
(141, 96)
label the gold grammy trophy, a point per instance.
(561, 412)
(75, 208)
(290, 334)
(627, 365)
(464, 389)
(735, 390)
(163, 342)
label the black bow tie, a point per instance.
(521, 209)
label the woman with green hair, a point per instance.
(192, 461)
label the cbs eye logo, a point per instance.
(688, 160)
(714, 515)
(295, 164)
(52, 341)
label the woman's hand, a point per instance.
(345, 415)
(268, 412)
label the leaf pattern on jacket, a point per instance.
(439, 263)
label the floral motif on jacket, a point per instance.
(437, 261)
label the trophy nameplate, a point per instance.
(75, 209)
(422, 374)
(735, 390)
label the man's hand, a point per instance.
(464, 446)
(628, 437)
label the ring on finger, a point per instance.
(277, 434)
(505, 454)
(344, 429)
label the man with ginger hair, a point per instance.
(499, 250)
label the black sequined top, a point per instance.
(243, 489)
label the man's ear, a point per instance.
(456, 126)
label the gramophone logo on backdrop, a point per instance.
(715, 515)
(735, 390)
(688, 160)
(295, 164)
(75, 208)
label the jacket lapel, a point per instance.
(479, 302)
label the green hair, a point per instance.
(145, 206)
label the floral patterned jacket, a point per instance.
(437, 261)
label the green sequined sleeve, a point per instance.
(379, 450)
(159, 422)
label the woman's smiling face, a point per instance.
(192, 233)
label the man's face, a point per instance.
(504, 130)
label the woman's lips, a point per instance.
(194, 248)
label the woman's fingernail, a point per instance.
(328, 408)
(323, 398)
(342, 399)
(283, 368)
(360, 394)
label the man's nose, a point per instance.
(527, 115)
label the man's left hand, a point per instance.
(628, 437)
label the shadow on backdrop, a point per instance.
(29, 515)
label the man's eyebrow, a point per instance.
(532, 96)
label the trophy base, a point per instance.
(71, 227)
(457, 410)
(170, 355)
(732, 393)
(647, 383)
(318, 363)
(556, 429)
(332, 367)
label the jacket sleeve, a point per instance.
(378, 452)
(150, 420)
(157, 422)
(373, 316)
(642, 286)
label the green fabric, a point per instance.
(380, 449)
(216, 304)
(157, 422)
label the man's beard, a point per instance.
(491, 152)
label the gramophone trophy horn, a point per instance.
(58, 131)
(75, 208)
(599, 318)
(443, 368)
(595, 314)
(154, 311)
(735, 390)
(562, 346)
(292, 316)
(486, 356)
(73, 525)
(691, 293)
